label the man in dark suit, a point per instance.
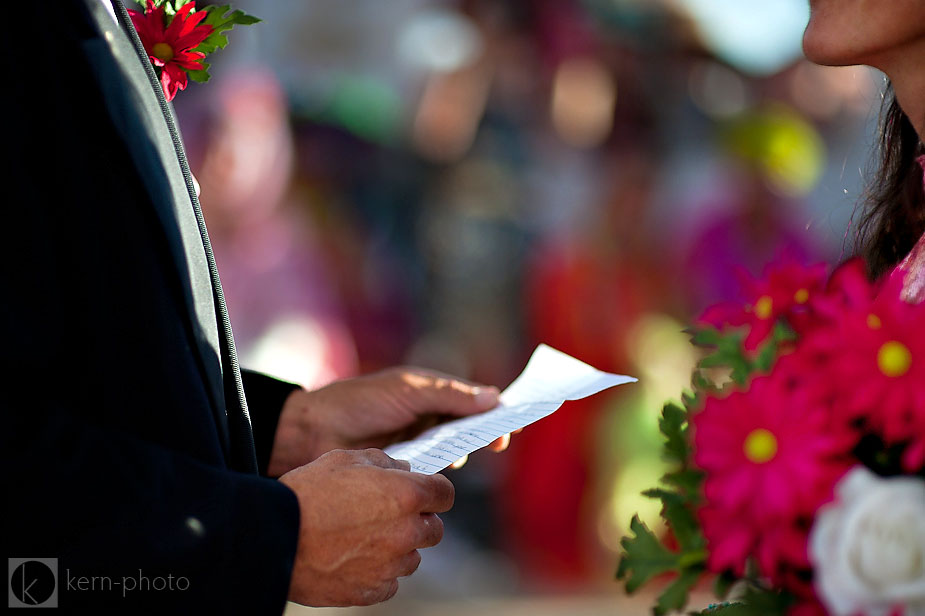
(133, 446)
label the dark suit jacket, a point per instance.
(127, 444)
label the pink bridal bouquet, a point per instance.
(798, 485)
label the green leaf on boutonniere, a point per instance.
(221, 19)
(200, 76)
(170, 6)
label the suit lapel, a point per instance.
(137, 114)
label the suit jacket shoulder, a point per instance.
(111, 439)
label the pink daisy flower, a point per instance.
(848, 290)
(785, 291)
(874, 368)
(752, 445)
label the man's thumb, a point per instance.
(455, 397)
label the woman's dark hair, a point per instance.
(895, 204)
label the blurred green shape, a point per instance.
(367, 107)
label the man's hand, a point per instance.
(372, 411)
(363, 518)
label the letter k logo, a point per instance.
(33, 582)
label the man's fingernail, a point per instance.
(486, 396)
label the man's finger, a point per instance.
(430, 530)
(402, 465)
(460, 462)
(501, 443)
(435, 493)
(442, 394)
(379, 458)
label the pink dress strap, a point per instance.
(912, 268)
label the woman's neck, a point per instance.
(907, 74)
(911, 98)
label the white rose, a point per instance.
(868, 547)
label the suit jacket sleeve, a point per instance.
(265, 398)
(111, 458)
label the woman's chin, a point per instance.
(818, 52)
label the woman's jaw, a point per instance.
(886, 34)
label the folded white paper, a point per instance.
(550, 378)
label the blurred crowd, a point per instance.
(448, 184)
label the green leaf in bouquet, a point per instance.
(765, 357)
(687, 481)
(723, 583)
(674, 597)
(682, 523)
(770, 350)
(765, 602)
(705, 336)
(755, 602)
(729, 354)
(644, 557)
(701, 385)
(783, 333)
(673, 425)
(691, 399)
(689, 561)
(717, 359)
(741, 370)
(727, 609)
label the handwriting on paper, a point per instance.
(550, 378)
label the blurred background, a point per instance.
(449, 183)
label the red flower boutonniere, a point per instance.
(178, 37)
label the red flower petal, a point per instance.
(173, 78)
(176, 24)
(189, 64)
(183, 32)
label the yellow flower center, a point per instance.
(873, 321)
(760, 446)
(801, 296)
(894, 359)
(763, 307)
(162, 51)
